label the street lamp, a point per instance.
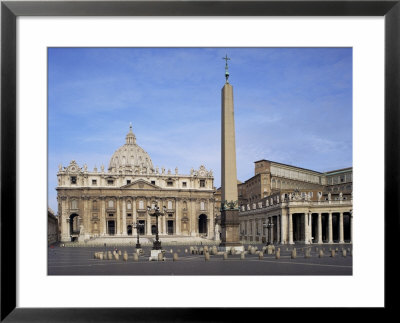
(137, 227)
(268, 225)
(156, 212)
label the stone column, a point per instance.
(351, 226)
(306, 239)
(134, 217)
(272, 230)
(210, 228)
(330, 232)
(319, 228)
(284, 223)
(310, 226)
(86, 218)
(178, 215)
(278, 227)
(118, 217)
(103, 220)
(124, 232)
(65, 235)
(341, 231)
(148, 219)
(290, 216)
(194, 219)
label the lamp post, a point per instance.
(156, 213)
(268, 225)
(137, 227)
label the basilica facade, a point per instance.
(114, 202)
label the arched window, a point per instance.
(202, 205)
(74, 204)
(129, 205)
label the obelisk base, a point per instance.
(230, 236)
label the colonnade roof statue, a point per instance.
(130, 156)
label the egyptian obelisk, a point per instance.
(229, 192)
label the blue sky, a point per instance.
(292, 105)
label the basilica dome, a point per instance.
(131, 158)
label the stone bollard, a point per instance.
(100, 255)
(206, 256)
(269, 251)
(278, 254)
(260, 255)
(135, 256)
(109, 255)
(205, 249)
(125, 256)
(307, 253)
(116, 256)
(321, 253)
(225, 256)
(294, 254)
(160, 257)
(95, 255)
(252, 250)
(104, 255)
(344, 253)
(333, 253)
(175, 257)
(119, 253)
(242, 255)
(214, 250)
(273, 249)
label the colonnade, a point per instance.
(295, 227)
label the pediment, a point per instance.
(141, 185)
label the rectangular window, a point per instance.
(94, 181)
(73, 179)
(184, 184)
(128, 181)
(110, 182)
(153, 182)
(202, 183)
(129, 214)
(110, 214)
(169, 183)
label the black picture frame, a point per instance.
(10, 10)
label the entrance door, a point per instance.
(111, 228)
(153, 229)
(129, 231)
(142, 227)
(170, 227)
(203, 223)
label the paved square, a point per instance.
(81, 261)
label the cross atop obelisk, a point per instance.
(226, 58)
(229, 193)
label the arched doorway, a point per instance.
(74, 226)
(203, 224)
(129, 230)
